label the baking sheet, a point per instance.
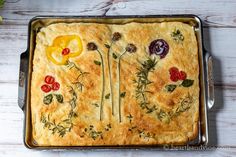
(26, 68)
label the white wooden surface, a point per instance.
(219, 18)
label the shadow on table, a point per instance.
(219, 101)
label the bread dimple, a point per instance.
(137, 127)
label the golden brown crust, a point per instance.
(137, 127)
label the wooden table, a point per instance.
(219, 18)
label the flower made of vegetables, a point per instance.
(159, 47)
(63, 48)
(50, 84)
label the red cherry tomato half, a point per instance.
(55, 86)
(49, 79)
(182, 75)
(65, 51)
(174, 77)
(46, 88)
(174, 74)
(173, 70)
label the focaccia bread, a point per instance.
(107, 84)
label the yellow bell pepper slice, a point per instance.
(52, 52)
(73, 42)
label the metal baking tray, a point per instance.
(205, 77)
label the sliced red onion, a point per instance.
(159, 47)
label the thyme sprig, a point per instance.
(145, 135)
(65, 125)
(94, 134)
(141, 132)
(108, 127)
(177, 36)
(72, 102)
(61, 128)
(184, 105)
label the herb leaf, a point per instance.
(97, 62)
(107, 46)
(170, 87)
(122, 95)
(114, 56)
(48, 99)
(59, 98)
(187, 83)
(108, 127)
(95, 104)
(151, 109)
(130, 117)
(107, 96)
(92, 132)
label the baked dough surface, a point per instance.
(166, 123)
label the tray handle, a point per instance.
(210, 81)
(22, 79)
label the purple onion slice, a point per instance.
(159, 47)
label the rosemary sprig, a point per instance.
(71, 65)
(142, 83)
(80, 78)
(119, 92)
